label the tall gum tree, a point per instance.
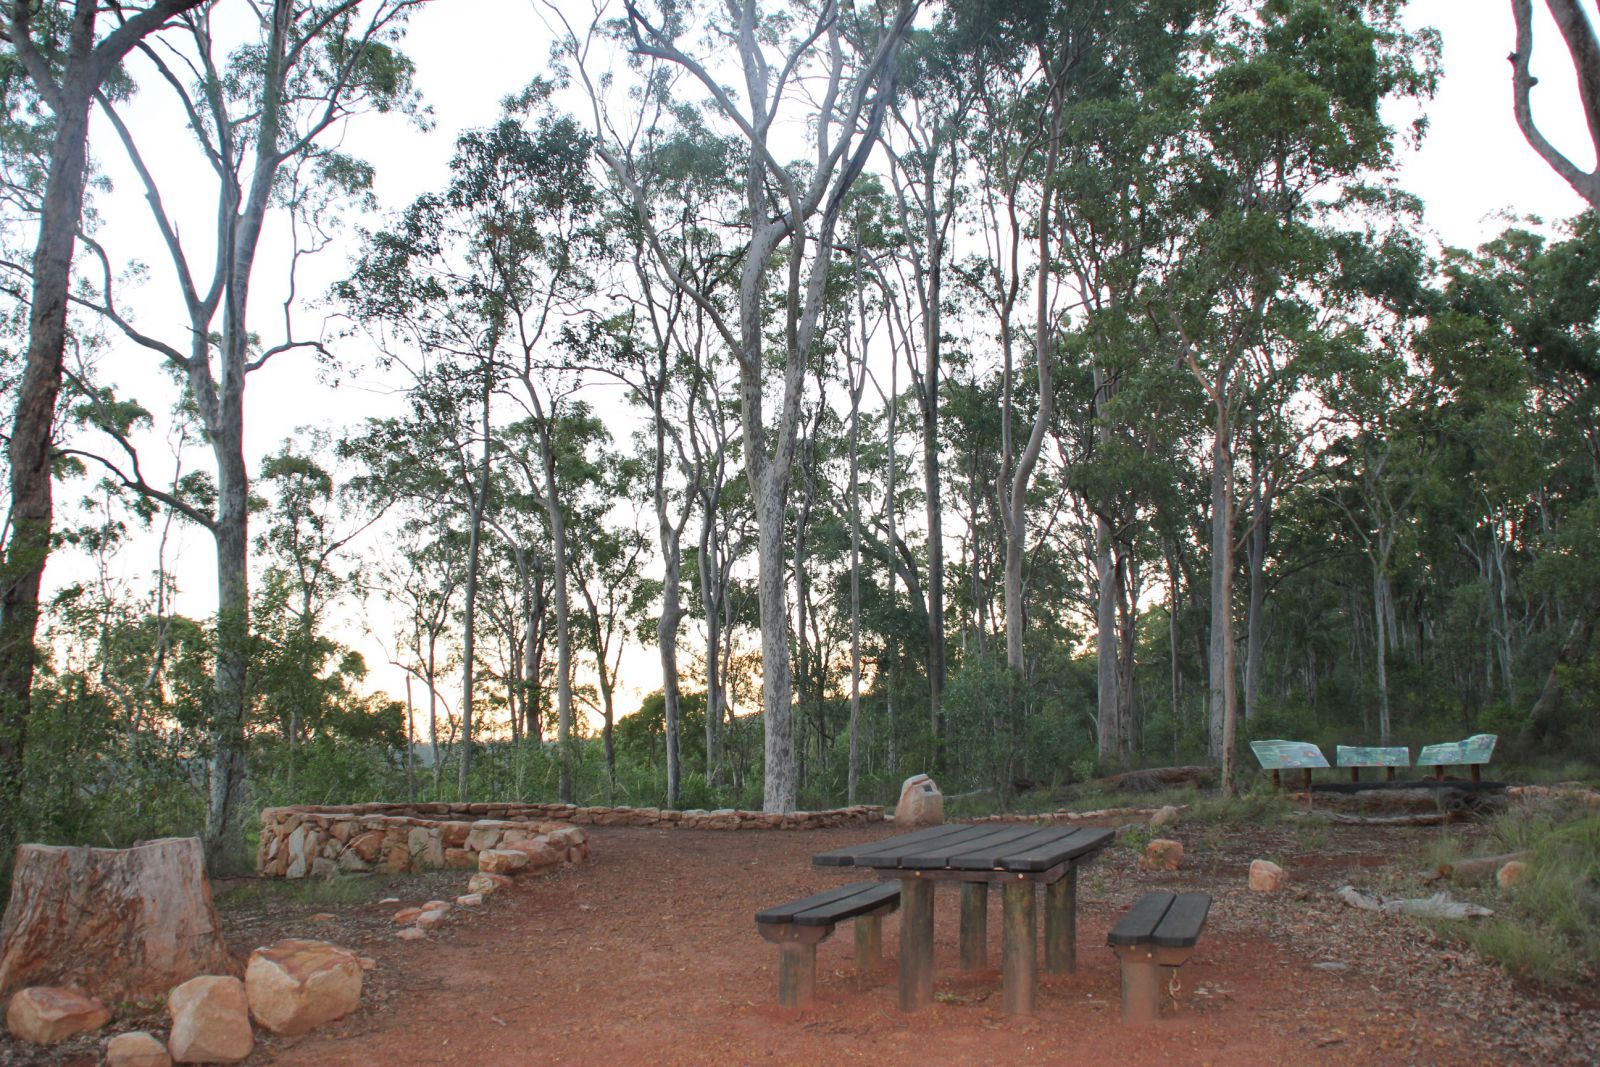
(265, 114)
(66, 59)
(1259, 178)
(826, 66)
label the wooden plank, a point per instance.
(870, 897)
(937, 854)
(780, 913)
(1019, 954)
(916, 944)
(1180, 927)
(1071, 845)
(986, 855)
(848, 855)
(1136, 926)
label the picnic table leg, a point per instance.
(1391, 773)
(974, 926)
(1019, 952)
(869, 943)
(916, 944)
(1475, 775)
(1061, 924)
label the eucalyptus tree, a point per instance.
(302, 540)
(266, 117)
(823, 67)
(1264, 183)
(488, 269)
(60, 52)
(1583, 47)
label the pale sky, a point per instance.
(1473, 166)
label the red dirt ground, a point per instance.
(648, 954)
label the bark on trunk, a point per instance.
(1108, 703)
(120, 924)
(480, 503)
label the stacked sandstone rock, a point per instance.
(289, 987)
(301, 841)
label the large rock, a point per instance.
(1162, 854)
(296, 985)
(116, 923)
(1511, 874)
(1165, 815)
(921, 803)
(137, 1048)
(47, 1014)
(485, 883)
(210, 1021)
(1266, 876)
(502, 860)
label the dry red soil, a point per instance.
(648, 954)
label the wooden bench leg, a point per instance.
(974, 926)
(916, 944)
(797, 974)
(1061, 924)
(869, 943)
(1019, 960)
(1141, 988)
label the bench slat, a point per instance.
(1142, 919)
(833, 905)
(1180, 927)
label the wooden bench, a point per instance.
(1160, 930)
(797, 928)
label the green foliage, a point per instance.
(1547, 928)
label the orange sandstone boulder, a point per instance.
(47, 1014)
(297, 985)
(210, 1021)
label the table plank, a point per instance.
(1078, 842)
(937, 855)
(850, 855)
(986, 855)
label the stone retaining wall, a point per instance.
(301, 841)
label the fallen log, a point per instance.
(117, 923)
(1437, 818)
(1152, 779)
(1475, 869)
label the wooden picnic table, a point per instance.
(1018, 858)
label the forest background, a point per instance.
(768, 403)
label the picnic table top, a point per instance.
(957, 847)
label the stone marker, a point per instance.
(137, 1048)
(469, 900)
(433, 918)
(295, 985)
(1266, 876)
(210, 1021)
(410, 933)
(1162, 854)
(407, 916)
(1512, 874)
(47, 1014)
(921, 803)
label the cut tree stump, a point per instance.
(117, 923)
